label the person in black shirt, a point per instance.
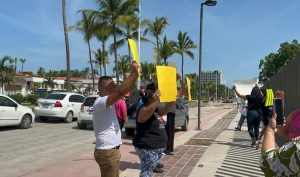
(150, 139)
(254, 114)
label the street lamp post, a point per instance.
(208, 3)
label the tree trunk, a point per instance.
(158, 55)
(129, 54)
(92, 68)
(67, 46)
(100, 69)
(182, 67)
(103, 57)
(116, 55)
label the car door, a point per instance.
(179, 115)
(9, 114)
(76, 102)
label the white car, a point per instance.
(59, 105)
(86, 112)
(12, 113)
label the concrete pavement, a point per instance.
(216, 150)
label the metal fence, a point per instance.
(288, 80)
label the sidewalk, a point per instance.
(186, 161)
(230, 155)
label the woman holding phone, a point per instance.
(285, 160)
(254, 114)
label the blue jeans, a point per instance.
(149, 159)
(241, 122)
(253, 121)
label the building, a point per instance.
(211, 76)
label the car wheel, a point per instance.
(43, 119)
(69, 117)
(26, 121)
(81, 125)
(186, 125)
(129, 131)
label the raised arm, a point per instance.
(146, 111)
(125, 87)
(238, 94)
(269, 135)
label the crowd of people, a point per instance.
(110, 114)
(150, 139)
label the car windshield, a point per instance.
(55, 96)
(89, 101)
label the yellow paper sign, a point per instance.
(166, 77)
(189, 88)
(134, 51)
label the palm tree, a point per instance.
(49, 82)
(102, 32)
(85, 26)
(41, 71)
(167, 49)
(6, 71)
(183, 46)
(128, 30)
(85, 72)
(111, 11)
(101, 59)
(156, 28)
(124, 66)
(16, 61)
(148, 72)
(67, 45)
(22, 60)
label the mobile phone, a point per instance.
(278, 109)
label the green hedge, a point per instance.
(29, 98)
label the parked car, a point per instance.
(59, 105)
(181, 118)
(14, 114)
(86, 112)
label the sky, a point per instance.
(236, 33)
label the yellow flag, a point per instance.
(269, 98)
(166, 77)
(189, 88)
(134, 51)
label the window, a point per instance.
(76, 98)
(55, 96)
(6, 102)
(89, 101)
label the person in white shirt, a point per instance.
(105, 122)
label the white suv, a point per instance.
(59, 105)
(12, 113)
(86, 112)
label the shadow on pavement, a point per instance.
(127, 165)
(241, 159)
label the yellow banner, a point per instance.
(189, 88)
(134, 51)
(166, 77)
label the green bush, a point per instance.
(18, 98)
(32, 98)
